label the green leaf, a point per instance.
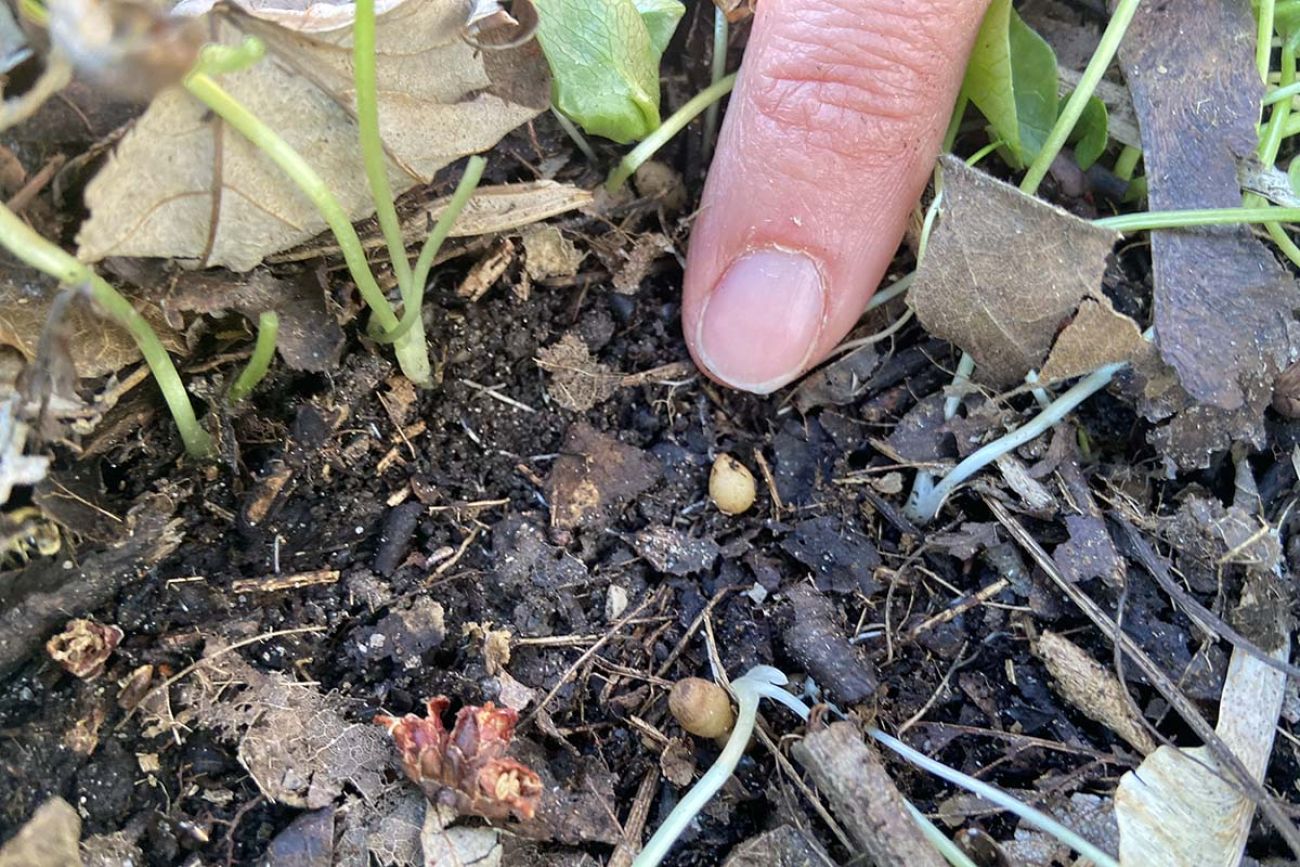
(660, 17)
(1090, 134)
(1011, 79)
(604, 58)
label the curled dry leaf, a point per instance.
(466, 768)
(182, 185)
(1092, 689)
(83, 647)
(1017, 283)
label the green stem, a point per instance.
(411, 315)
(1264, 38)
(268, 326)
(1126, 162)
(1271, 141)
(1147, 220)
(717, 69)
(35, 251)
(954, 122)
(372, 145)
(1282, 93)
(412, 355)
(1078, 101)
(669, 128)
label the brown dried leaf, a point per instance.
(578, 382)
(1091, 688)
(1096, 336)
(98, 345)
(309, 337)
(440, 99)
(547, 253)
(594, 473)
(487, 271)
(645, 250)
(1005, 273)
(1223, 304)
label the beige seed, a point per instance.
(701, 707)
(731, 485)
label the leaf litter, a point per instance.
(182, 185)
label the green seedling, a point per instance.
(33, 250)
(407, 332)
(268, 326)
(677, 122)
(604, 57)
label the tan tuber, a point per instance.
(731, 485)
(701, 707)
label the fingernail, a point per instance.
(761, 322)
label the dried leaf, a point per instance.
(1006, 273)
(1092, 689)
(487, 271)
(297, 744)
(309, 337)
(439, 99)
(98, 345)
(645, 250)
(547, 253)
(578, 381)
(445, 846)
(1097, 335)
(1223, 304)
(1177, 808)
(594, 473)
(674, 552)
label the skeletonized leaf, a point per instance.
(439, 99)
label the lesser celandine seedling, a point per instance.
(407, 333)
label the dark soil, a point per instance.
(461, 499)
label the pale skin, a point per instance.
(829, 140)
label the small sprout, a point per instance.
(465, 768)
(701, 707)
(83, 647)
(731, 485)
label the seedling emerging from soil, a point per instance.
(268, 325)
(407, 333)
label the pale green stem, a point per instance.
(268, 326)
(420, 276)
(1078, 101)
(1264, 38)
(372, 145)
(717, 69)
(927, 498)
(576, 135)
(1148, 220)
(412, 355)
(674, 124)
(1033, 817)
(954, 122)
(1282, 93)
(35, 251)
